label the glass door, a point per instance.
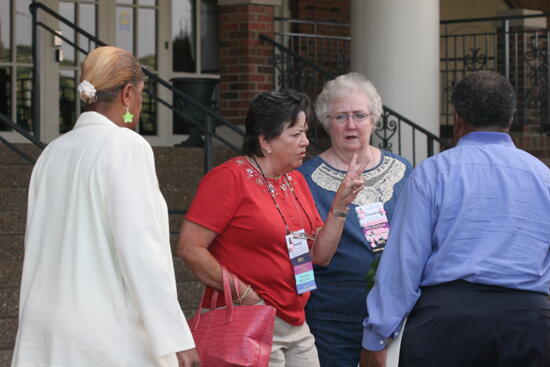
(15, 64)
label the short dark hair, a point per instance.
(267, 115)
(485, 98)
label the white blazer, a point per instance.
(98, 286)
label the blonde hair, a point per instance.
(108, 69)
(341, 88)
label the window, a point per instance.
(193, 34)
(15, 62)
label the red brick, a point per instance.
(265, 69)
(264, 18)
(258, 26)
(238, 104)
(253, 60)
(229, 60)
(225, 27)
(228, 95)
(241, 86)
(248, 94)
(257, 78)
(237, 18)
(258, 9)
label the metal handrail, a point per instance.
(264, 38)
(387, 112)
(207, 131)
(485, 19)
(312, 22)
(25, 134)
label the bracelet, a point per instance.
(339, 213)
(246, 293)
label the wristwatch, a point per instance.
(340, 213)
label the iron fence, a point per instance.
(514, 46)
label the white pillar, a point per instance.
(395, 44)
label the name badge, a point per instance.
(374, 224)
(300, 258)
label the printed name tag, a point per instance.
(300, 258)
(374, 224)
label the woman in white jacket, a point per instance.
(98, 286)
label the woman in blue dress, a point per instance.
(348, 108)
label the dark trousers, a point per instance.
(461, 324)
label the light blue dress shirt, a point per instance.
(479, 212)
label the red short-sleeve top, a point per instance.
(233, 201)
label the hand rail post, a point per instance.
(35, 94)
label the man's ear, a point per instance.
(459, 127)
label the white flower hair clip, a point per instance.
(87, 88)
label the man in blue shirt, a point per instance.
(468, 258)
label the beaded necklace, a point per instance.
(271, 191)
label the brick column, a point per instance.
(245, 67)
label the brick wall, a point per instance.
(326, 10)
(245, 66)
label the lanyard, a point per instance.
(271, 190)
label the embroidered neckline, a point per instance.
(379, 181)
(255, 176)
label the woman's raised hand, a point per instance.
(351, 185)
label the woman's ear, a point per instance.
(126, 94)
(264, 144)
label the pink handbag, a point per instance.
(234, 335)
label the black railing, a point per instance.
(309, 39)
(25, 134)
(292, 70)
(207, 127)
(514, 46)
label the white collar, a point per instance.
(93, 118)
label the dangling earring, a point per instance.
(127, 117)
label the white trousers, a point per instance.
(293, 346)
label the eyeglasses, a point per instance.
(357, 117)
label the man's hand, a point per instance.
(371, 358)
(188, 358)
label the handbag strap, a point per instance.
(227, 296)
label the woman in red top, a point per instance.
(247, 210)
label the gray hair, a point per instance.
(340, 88)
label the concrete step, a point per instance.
(12, 222)
(5, 355)
(11, 247)
(15, 176)
(8, 332)
(189, 295)
(13, 198)
(9, 157)
(178, 185)
(164, 156)
(9, 302)
(179, 156)
(10, 274)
